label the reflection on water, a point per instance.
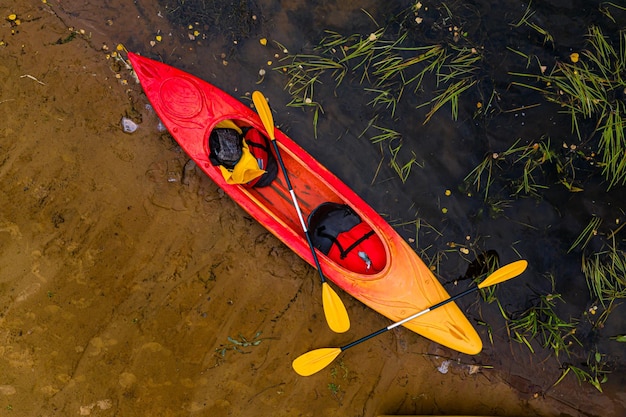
(219, 42)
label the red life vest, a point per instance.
(338, 232)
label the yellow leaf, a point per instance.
(574, 57)
(159, 38)
(263, 41)
(12, 16)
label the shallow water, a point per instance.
(113, 302)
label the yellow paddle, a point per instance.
(334, 310)
(315, 360)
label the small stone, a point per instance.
(128, 125)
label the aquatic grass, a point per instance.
(422, 60)
(387, 66)
(601, 319)
(489, 264)
(526, 169)
(604, 8)
(449, 95)
(393, 139)
(543, 323)
(588, 232)
(239, 344)
(532, 157)
(604, 270)
(483, 175)
(421, 226)
(526, 20)
(384, 134)
(403, 170)
(497, 206)
(488, 328)
(385, 99)
(596, 372)
(613, 145)
(529, 58)
(605, 273)
(358, 50)
(461, 62)
(592, 86)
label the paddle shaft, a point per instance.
(414, 316)
(297, 206)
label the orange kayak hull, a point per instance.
(190, 108)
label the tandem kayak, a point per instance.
(399, 286)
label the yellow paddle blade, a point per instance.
(505, 273)
(334, 310)
(314, 361)
(265, 113)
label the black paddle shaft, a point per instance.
(414, 316)
(295, 201)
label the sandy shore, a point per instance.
(128, 289)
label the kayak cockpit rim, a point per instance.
(255, 196)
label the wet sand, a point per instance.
(132, 286)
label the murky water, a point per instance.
(227, 52)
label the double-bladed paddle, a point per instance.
(334, 310)
(314, 361)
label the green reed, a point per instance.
(491, 264)
(403, 170)
(605, 273)
(526, 20)
(596, 372)
(483, 175)
(588, 232)
(590, 87)
(541, 322)
(525, 168)
(387, 65)
(239, 344)
(383, 134)
(391, 67)
(604, 8)
(533, 158)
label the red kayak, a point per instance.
(383, 271)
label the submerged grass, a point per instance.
(605, 273)
(588, 232)
(525, 169)
(593, 86)
(526, 20)
(386, 66)
(596, 372)
(392, 67)
(542, 322)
